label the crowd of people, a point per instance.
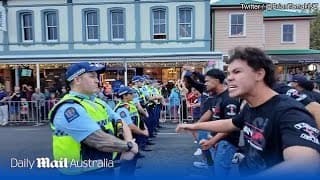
(25, 104)
(279, 122)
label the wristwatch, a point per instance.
(130, 146)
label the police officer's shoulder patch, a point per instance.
(123, 114)
(71, 114)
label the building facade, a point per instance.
(284, 35)
(120, 31)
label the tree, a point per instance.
(315, 31)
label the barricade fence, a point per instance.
(178, 112)
(36, 112)
(26, 112)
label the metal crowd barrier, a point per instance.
(36, 112)
(26, 112)
(176, 113)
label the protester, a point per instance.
(280, 135)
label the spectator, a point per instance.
(3, 106)
(174, 102)
(63, 92)
(24, 109)
(40, 103)
(47, 93)
(191, 97)
(29, 92)
(52, 100)
(15, 100)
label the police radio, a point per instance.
(119, 129)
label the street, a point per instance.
(171, 156)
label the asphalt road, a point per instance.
(172, 154)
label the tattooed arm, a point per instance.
(107, 143)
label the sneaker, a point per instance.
(198, 152)
(237, 157)
(4, 123)
(196, 142)
(201, 165)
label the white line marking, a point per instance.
(27, 129)
(168, 133)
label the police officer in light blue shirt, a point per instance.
(129, 112)
(80, 116)
(147, 92)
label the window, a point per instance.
(26, 27)
(237, 25)
(3, 19)
(51, 26)
(288, 33)
(117, 25)
(159, 24)
(185, 22)
(92, 27)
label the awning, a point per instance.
(111, 58)
(296, 59)
(294, 56)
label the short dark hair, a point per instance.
(256, 59)
(216, 74)
(307, 85)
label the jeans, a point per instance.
(223, 155)
(202, 135)
(206, 153)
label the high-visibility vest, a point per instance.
(142, 98)
(65, 146)
(134, 113)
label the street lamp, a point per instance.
(312, 67)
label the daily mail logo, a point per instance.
(45, 162)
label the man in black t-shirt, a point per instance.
(280, 134)
(222, 107)
(311, 105)
(303, 85)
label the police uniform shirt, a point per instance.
(124, 113)
(72, 119)
(136, 98)
(113, 116)
(144, 90)
(268, 129)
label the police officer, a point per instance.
(83, 124)
(129, 112)
(159, 102)
(151, 104)
(138, 97)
